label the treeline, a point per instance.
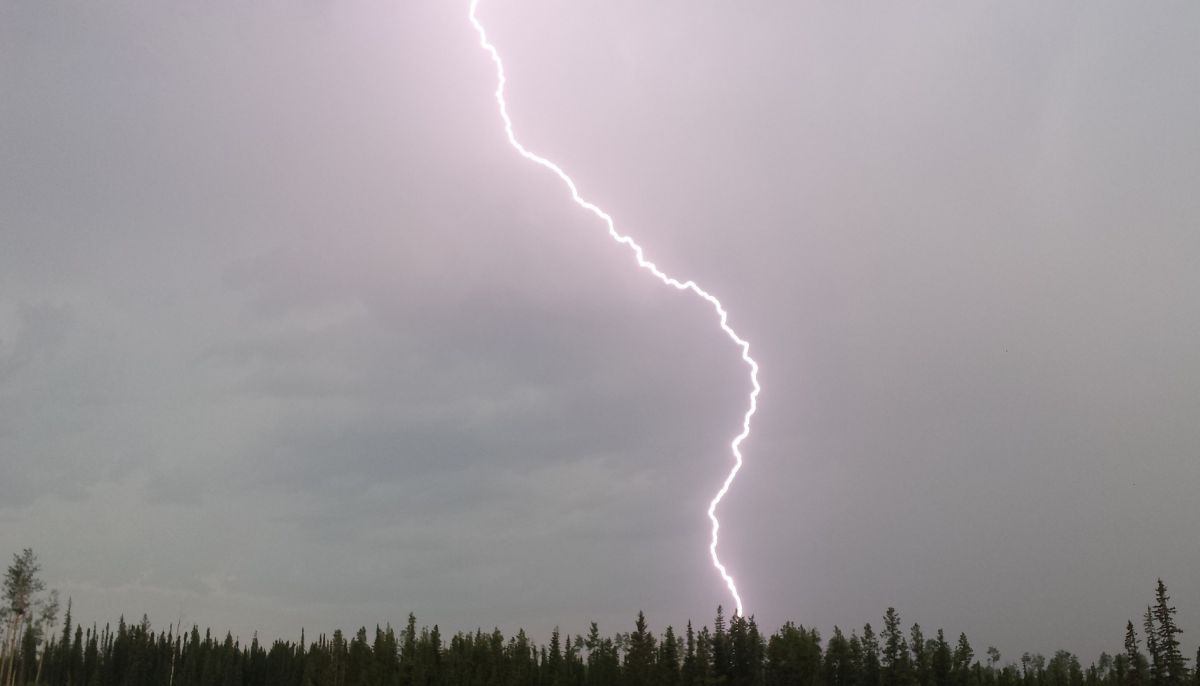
(734, 652)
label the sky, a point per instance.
(290, 337)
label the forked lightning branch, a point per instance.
(639, 255)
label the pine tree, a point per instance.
(688, 673)
(895, 665)
(408, 653)
(869, 676)
(433, 657)
(720, 649)
(704, 661)
(1135, 674)
(963, 655)
(920, 656)
(574, 661)
(386, 655)
(639, 657)
(1157, 671)
(1173, 663)
(520, 656)
(359, 670)
(755, 652)
(667, 662)
(941, 661)
(742, 652)
(603, 667)
(554, 660)
(793, 657)
(837, 668)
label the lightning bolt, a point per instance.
(639, 255)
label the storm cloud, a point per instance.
(290, 337)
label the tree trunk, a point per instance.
(5, 652)
(37, 678)
(12, 661)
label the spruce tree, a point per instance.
(704, 660)
(1173, 663)
(941, 661)
(793, 657)
(1135, 674)
(688, 672)
(408, 653)
(554, 660)
(1156, 658)
(869, 643)
(603, 668)
(743, 653)
(574, 661)
(756, 648)
(920, 656)
(639, 656)
(837, 668)
(667, 661)
(963, 655)
(895, 651)
(721, 662)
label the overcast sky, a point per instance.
(289, 336)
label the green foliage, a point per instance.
(869, 658)
(793, 657)
(136, 655)
(734, 653)
(1135, 668)
(941, 660)
(1173, 665)
(839, 667)
(639, 667)
(897, 668)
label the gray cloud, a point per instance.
(289, 336)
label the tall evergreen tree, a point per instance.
(963, 656)
(667, 661)
(522, 666)
(134, 655)
(941, 660)
(870, 670)
(603, 667)
(920, 656)
(639, 655)
(793, 657)
(756, 652)
(574, 661)
(704, 658)
(721, 658)
(744, 652)
(1157, 670)
(556, 675)
(688, 673)
(1174, 664)
(408, 653)
(837, 667)
(895, 664)
(1135, 674)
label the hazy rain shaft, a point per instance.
(289, 336)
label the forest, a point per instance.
(733, 652)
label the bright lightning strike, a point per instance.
(722, 315)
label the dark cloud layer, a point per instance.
(289, 337)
